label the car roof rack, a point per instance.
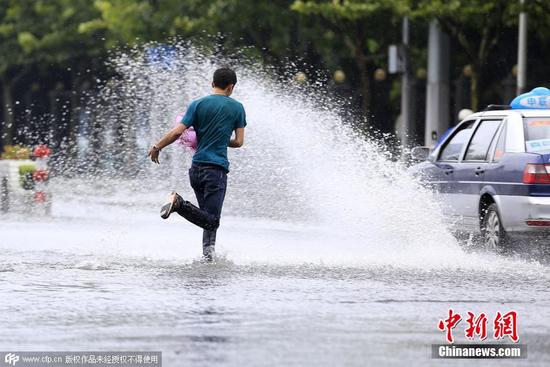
(497, 107)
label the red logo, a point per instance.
(476, 326)
(506, 325)
(449, 323)
(503, 325)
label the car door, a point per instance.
(470, 170)
(446, 162)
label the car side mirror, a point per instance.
(420, 154)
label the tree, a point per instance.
(475, 25)
(269, 26)
(40, 37)
(365, 28)
(135, 22)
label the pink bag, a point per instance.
(189, 137)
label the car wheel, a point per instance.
(493, 235)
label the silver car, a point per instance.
(492, 172)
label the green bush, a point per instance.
(25, 176)
(16, 152)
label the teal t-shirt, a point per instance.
(214, 119)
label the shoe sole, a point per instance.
(166, 209)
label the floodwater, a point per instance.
(105, 276)
(329, 253)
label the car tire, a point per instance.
(493, 235)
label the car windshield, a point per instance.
(537, 134)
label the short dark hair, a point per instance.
(223, 77)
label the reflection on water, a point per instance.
(239, 311)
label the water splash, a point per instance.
(304, 159)
(320, 228)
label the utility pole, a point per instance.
(437, 90)
(406, 126)
(522, 50)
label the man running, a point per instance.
(214, 119)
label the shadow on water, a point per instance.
(536, 251)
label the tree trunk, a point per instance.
(74, 119)
(474, 89)
(8, 121)
(362, 66)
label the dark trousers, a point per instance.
(209, 183)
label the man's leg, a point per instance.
(201, 216)
(208, 244)
(209, 184)
(208, 236)
(197, 216)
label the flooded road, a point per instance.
(279, 295)
(330, 254)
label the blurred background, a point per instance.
(383, 57)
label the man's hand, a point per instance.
(154, 154)
(238, 141)
(166, 140)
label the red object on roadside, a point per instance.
(40, 197)
(40, 175)
(42, 151)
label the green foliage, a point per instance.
(468, 12)
(40, 31)
(16, 152)
(42, 37)
(337, 10)
(26, 168)
(25, 176)
(476, 25)
(131, 22)
(122, 20)
(364, 28)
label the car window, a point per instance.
(481, 141)
(537, 134)
(453, 147)
(500, 145)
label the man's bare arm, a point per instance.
(166, 140)
(171, 136)
(238, 141)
